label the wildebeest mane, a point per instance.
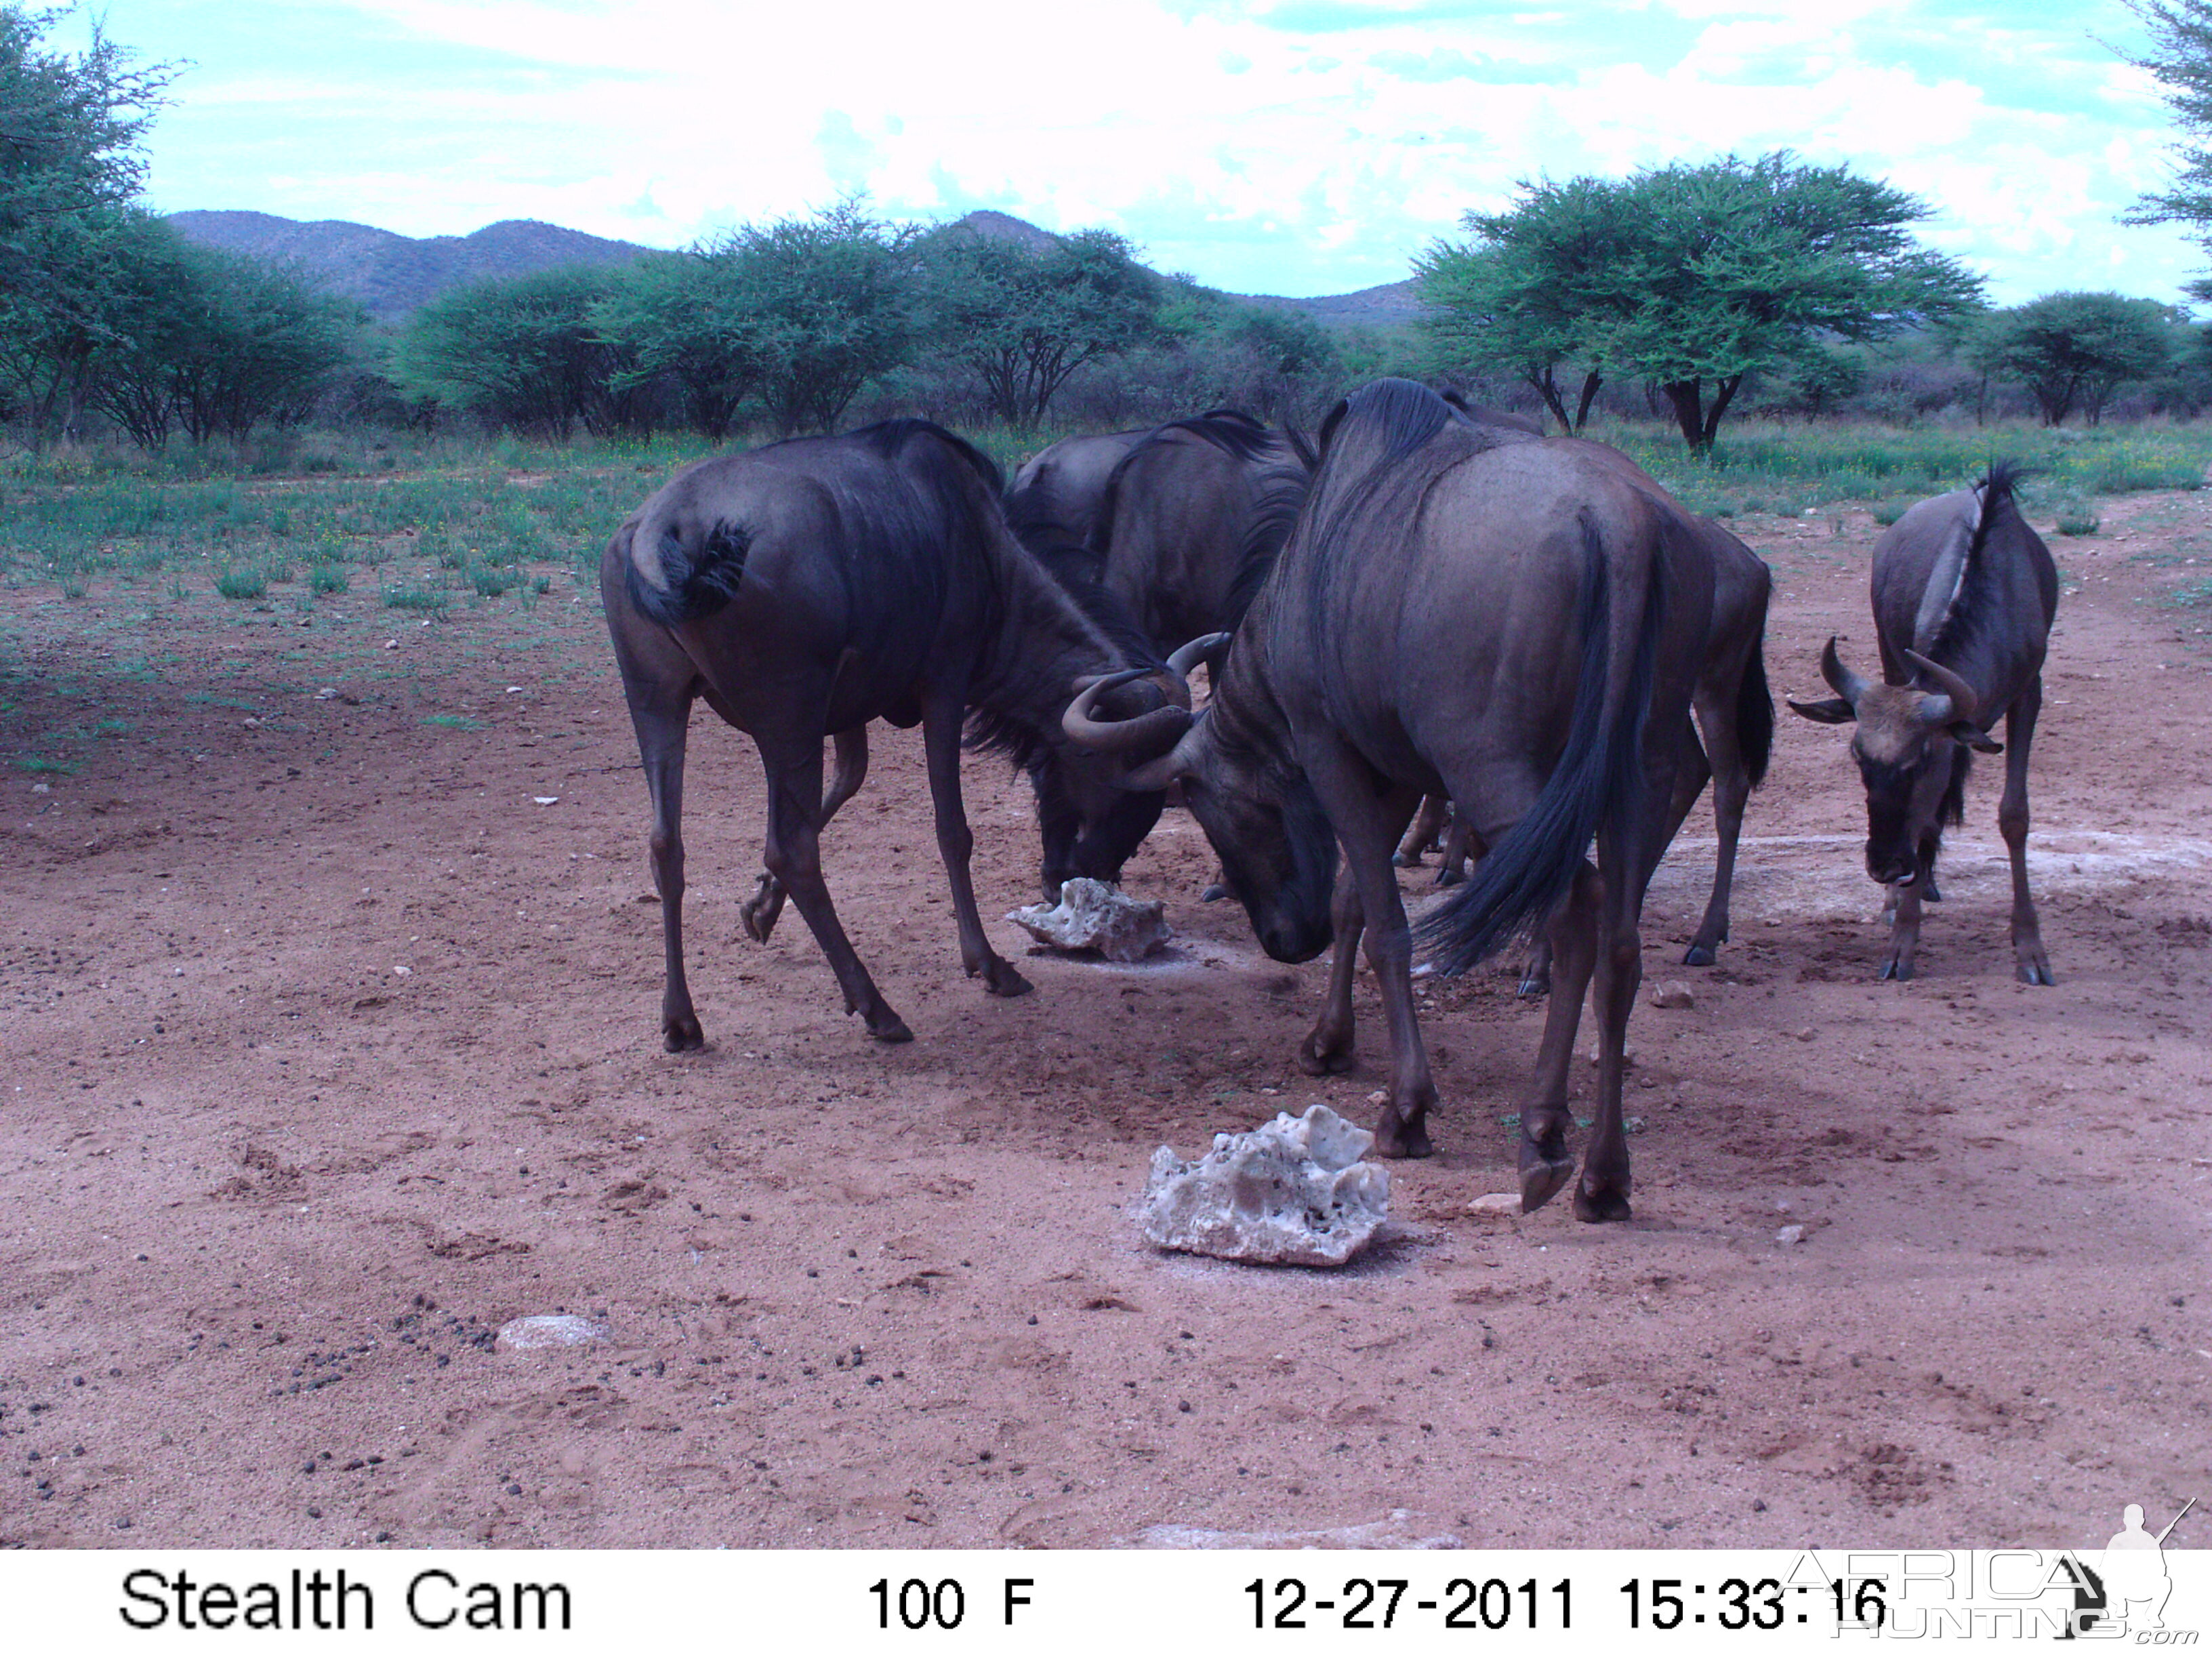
(1977, 605)
(1397, 417)
(1017, 683)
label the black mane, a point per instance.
(1978, 606)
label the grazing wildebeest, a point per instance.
(1735, 715)
(1185, 527)
(1476, 612)
(806, 588)
(1055, 494)
(1964, 595)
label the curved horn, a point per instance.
(1188, 656)
(1118, 737)
(1961, 694)
(1179, 762)
(1846, 684)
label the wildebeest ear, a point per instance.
(1829, 711)
(1974, 737)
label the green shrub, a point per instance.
(415, 599)
(2076, 520)
(241, 584)
(489, 583)
(328, 579)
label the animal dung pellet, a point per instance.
(1292, 1192)
(551, 1331)
(1097, 915)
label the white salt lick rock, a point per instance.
(551, 1331)
(1097, 915)
(1293, 1192)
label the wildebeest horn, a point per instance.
(1146, 731)
(1960, 696)
(1843, 682)
(1187, 657)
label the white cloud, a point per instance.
(1310, 146)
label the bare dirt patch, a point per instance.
(330, 1049)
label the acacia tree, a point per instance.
(1693, 276)
(70, 168)
(1519, 296)
(2180, 56)
(1025, 319)
(692, 319)
(525, 352)
(2070, 349)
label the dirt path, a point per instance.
(330, 1049)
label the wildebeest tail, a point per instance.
(1530, 872)
(1754, 716)
(699, 572)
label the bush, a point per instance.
(241, 584)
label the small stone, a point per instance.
(1097, 915)
(545, 800)
(1673, 994)
(1792, 1234)
(551, 1331)
(1804, 1034)
(1293, 1191)
(42, 789)
(326, 694)
(1496, 1204)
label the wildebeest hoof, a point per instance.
(2037, 972)
(1314, 1060)
(1897, 968)
(1000, 980)
(1699, 956)
(1214, 893)
(1537, 984)
(1406, 860)
(888, 1027)
(1451, 875)
(1393, 1139)
(1605, 1204)
(1927, 893)
(759, 912)
(1541, 1181)
(682, 1034)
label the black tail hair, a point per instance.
(1526, 876)
(699, 579)
(1754, 715)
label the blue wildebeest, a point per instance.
(1183, 530)
(1735, 717)
(1963, 596)
(1475, 611)
(806, 588)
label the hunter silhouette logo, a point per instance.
(2127, 1590)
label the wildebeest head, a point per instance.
(1278, 852)
(1907, 749)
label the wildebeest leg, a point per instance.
(2034, 968)
(1368, 824)
(662, 727)
(956, 842)
(1428, 824)
(1459, 842)
(759, 912)
(1720, 758)
(1602, 1193)
(1328, 1047)
(1903, 933)
(794, 859)
(1545, 1163)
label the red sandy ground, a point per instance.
(329, 1050)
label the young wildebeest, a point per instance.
(1483, 613)
(1185, 527)
(1964, 595)
(807, 588)
(1735, 714)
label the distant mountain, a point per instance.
(392, 274)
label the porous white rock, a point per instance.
(1292, 1192)
(1097, 915)
(551, 1331)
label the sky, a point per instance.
(1264, 146)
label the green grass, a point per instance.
(2076, 520)
(454, 723)
(432, 600)
(241, 584)
(39, 764)
(329, 579)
